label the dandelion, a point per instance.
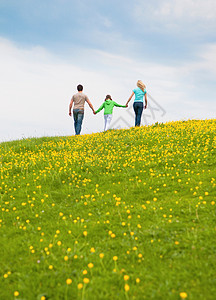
(183, 295)
(126, 287)
(86, 280)
(80, 286)
(90, 265)
(69, 281)
(16, 294)
(126, 277)
(115, 258)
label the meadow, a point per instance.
(122, 214)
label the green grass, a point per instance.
(145, 195)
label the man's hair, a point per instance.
(79, 88)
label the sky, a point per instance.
(49, 47)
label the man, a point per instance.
(79, 100)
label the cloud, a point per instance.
(177, 15)
(195, 9)
(37, 86)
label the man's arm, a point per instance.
(90, 105)
(70, 106)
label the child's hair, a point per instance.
(108, 97)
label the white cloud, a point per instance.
(37, 87)
(209, 58)
(187, 9)
(177, 14)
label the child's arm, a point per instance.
(100, 108)
(119, 105)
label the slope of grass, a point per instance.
(125, 214)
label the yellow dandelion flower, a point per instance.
(80, 286)
(69, 281)
(126, 277)
(86, 280)
(90, 265)
(183, 295)
(126, 287)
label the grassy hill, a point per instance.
(125, 214)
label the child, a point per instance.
(108, 109)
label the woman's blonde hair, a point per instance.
(141, 85)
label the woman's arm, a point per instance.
(129, 99)
(145, 100)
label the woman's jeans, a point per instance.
(78, 115)
(138, 108)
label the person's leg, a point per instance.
(80, 116)
(75, 115)
(139, 113)
(107, 121)
(135, 107)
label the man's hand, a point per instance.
(94, 112)
(70, 113)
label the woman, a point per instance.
(108, 106)
(139, 93)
